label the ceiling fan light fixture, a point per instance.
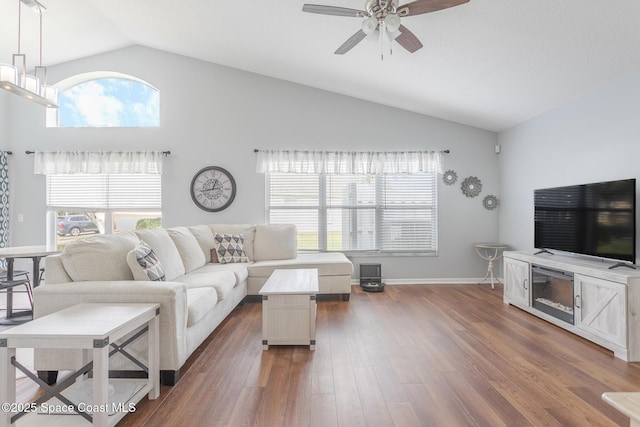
(370, 25)
(383, 16)
(392, 23)
(393, 34)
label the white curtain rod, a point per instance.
(166, 153)
(255, 150)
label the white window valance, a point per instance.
(99, 162)
(349, 162)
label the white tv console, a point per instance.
(606, 301)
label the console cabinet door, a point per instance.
(601, 308)
(516, 282)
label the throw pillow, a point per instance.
(214, 255)
(144, 263)
(230, 248)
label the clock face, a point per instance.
(213, 189)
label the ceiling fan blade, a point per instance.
(333, 10)
(408, 40)
(349, 44)
(425, 6)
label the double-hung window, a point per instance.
(123, 192)
(80, 205)
(377, 214)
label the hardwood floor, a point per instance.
(430, 355)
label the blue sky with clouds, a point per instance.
(109, 102)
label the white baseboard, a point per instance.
(431, 281)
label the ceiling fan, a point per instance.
(384, 16)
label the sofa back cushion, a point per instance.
(275, 241)
(190, 251)
(158, 239)
(99, 258)
(247, 231)
(204, 236)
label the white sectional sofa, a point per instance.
(197, 291)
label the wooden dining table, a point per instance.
(36, 253)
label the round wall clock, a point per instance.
(213, 189)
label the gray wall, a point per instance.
(594, 138)
(215, 115)
(4, 120)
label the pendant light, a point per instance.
(14, 77)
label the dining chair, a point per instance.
(20, 278)
(16, 273)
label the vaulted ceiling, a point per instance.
(488, 63)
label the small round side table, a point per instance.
(489, 252)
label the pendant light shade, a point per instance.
(8, 74)
(14, 78)
(32, 84)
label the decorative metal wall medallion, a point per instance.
(449, 177)
(471, 186)
(490, 202)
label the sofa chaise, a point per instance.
(197, 274)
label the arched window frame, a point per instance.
(52, 114)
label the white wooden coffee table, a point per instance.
(289, 308)
(94, 328)
(626, 402)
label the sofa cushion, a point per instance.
(275, 242)
(247, 230)
(144, 263)
(84, 259)
(188, 247)
(200, 301)
(230, 248)
(165, 250)
(327, 263)
(204, 236)
(239, 269)
(223, 281)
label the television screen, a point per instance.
(592, 219)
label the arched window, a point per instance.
(105, 100)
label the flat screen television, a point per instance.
(596, 219)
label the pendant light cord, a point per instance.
(40, 38)
(19, 23)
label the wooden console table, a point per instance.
(289, 308)
(94, 328)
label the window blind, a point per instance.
(104, 192)
(394, 214)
